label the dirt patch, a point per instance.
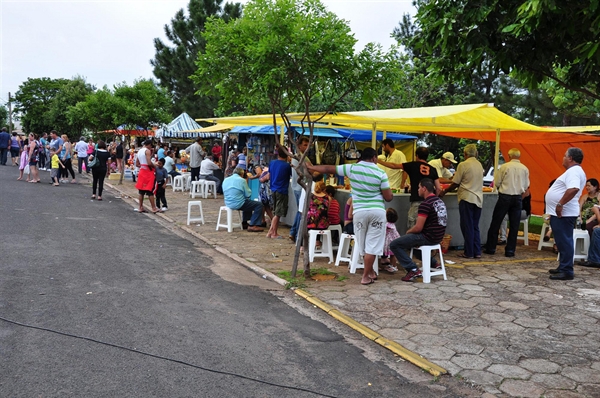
(319, 277)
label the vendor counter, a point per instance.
(401, 204)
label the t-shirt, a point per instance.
(4, 139)
(437, 217)
(207, 167)
(416, 172)
(56, 143)
(142, 156)
(441, 170)
(169, 164)
(81, 147)
(103, 156)
(280, 172)
(394, 175)
(469, 177)
(55, 161)
(573, 177)
(367, 181)
(333, 213)
(242, 161)
(161, 175)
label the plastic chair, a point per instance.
(169, 180)
(525, 237)
(426, 261)
(197, 188)
(230, 225)
(209, 187)
(338, 228)
(581, 244)
(541, 244)
(358, 261)
(195, 219)
(178, 184)
(344, 252)
(326, 249)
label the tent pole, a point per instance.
(496, 157)
(374, 136)
(281, 135)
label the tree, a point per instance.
(3, 116)
(33, 100)
(290, 53)
(173, 65)
(71, 93)
(531, 40)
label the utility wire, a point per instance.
(166, 358)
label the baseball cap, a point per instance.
(449, 156)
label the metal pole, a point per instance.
(496, 157)
(9, 115)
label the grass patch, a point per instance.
(341, 278)
(298, 282)
(321, 271)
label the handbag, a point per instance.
(94, 162)
(352, 153)
(329, 156)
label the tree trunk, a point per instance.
(303, 232)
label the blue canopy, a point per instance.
(327, 132)
(183, 126)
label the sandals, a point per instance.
(368, 283)
(389, 268)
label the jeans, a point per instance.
(511, 205)
(3, 156)
(400, 246)
(594, 250)
(562, 229)
(469, 226)
(296, 226)
(160, 197)
(253, 211)
(80, 162)
(98, 180)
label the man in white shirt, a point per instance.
(562, 204)
(170, 165)
(81, 148)
(392, 155)
(207, 168)
(512, 181)
(196, 157)
(442, 165)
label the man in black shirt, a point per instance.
(416, 170)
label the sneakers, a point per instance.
(436, 265)
(164, 208)
(412, 275)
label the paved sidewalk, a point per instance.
(498, 322)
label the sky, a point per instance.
(112, 41)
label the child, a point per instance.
(318, 206)
(390, 234)
(161, 182)
(55, 162)
(333, 213)
(24, 163)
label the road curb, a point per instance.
(369, 333)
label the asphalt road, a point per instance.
(113, 304)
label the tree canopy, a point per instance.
(3, 116)
(33, 101)
(533, 40)
(174, 64)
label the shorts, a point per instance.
(413, 213)
(147, 193)
(14, 152)
(33, 163)
(369, 231)
(280, 204)
(54, 173)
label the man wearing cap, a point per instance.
(392, 155)
(512, 181)
(442, 165)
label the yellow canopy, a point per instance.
(212, 129)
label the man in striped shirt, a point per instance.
(429, 230)
(370, 188)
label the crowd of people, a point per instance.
(364, 214)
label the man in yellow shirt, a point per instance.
(391, 155)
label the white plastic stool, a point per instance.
(169, 180)
(178, 184)
(358, 261)
(525, 237)
(195, 219)
(344, 252)
(326, 249)
(230, 225)
(209, 187)
(188, 183)
(338, 228)
(541, 244)
(426, 261)
(581, 244)
(197, 188)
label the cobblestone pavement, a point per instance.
(497, 322)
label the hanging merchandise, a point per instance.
(318, 152)
(352, 154)
(329, 156)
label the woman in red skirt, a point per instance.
(146, 181)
